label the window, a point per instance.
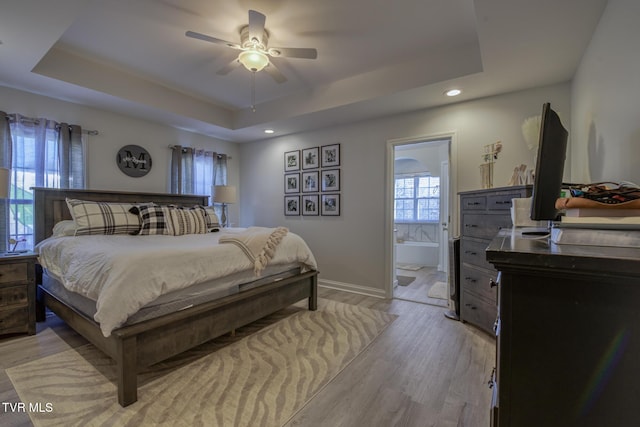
(36, 149)
(417, 199)
(195, 171)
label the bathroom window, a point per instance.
(417, 199)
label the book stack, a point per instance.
(587, 222)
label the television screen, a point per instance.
(552, 151)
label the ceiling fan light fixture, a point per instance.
(253, 60)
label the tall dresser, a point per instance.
(482, 214)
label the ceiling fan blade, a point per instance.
(256, 25)
(294, 52)
(206, 38)
(228, 68)
(273, 71)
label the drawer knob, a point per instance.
(470, 279)
(470, 225)
(493, 283)
(470, 253)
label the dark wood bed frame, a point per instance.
(143, 344)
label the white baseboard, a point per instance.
(349, 287)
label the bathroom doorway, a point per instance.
(420, 182)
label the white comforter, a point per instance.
(124, 273)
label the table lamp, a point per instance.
(224, 194)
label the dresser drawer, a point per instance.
(484, 226)
(476, 311)
(501, 202)
(14, 320)
(473, 252)
(17, 272)
(478, 282)
(13, 296)
(473, 203)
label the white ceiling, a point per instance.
(375, 57)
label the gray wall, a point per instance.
(606, 99)
(351, 249)
(115, 131)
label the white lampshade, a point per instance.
(4, 182)
(224, 193)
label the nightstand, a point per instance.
(18, 293)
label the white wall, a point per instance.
(350, 249)
(116, 131)
(606, 99)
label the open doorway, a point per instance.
(420, 182)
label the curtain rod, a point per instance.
(219, 154)
(37, 121)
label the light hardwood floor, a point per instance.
(418, 289)
(423, 370)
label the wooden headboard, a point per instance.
(50, 207)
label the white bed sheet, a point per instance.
(123, 273)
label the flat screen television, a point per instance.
(547, 181)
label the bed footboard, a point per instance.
(143, 344)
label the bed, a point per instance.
(136, 346)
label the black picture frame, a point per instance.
(292, 183)
(330, 204)
(310, 182)
(292, 205)
(309, 205)
(310, 158)
(292, 161)
(330, 179)
(330, 155)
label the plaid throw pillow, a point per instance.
(210, 216)
(102, 217)
(154, 219)
(188, 221)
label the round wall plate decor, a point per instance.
(134, 161)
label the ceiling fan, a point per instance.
(255, 53)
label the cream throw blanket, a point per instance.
(258, 243)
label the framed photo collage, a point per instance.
(312, 181)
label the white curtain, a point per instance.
(5, 162)
(43, 153)
(195, 171)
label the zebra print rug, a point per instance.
(261, 379)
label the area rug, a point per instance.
(439, 291)
(260, 380)
(405, 280)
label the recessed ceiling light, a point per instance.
(453, 92)
(269, 131)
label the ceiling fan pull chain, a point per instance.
(253, 91)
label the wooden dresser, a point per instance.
(482, 214)
(568, 334)
(17, 294)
